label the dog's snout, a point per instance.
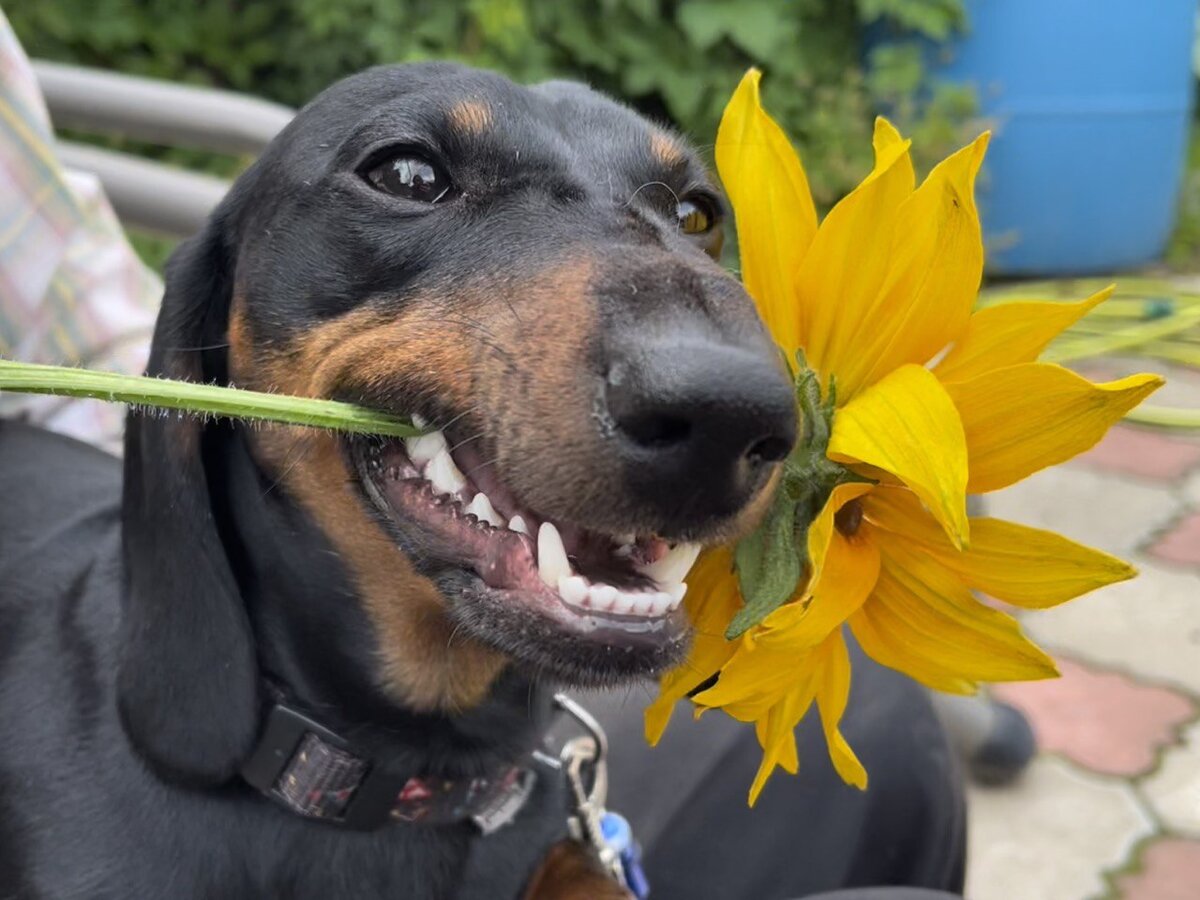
(698, 421)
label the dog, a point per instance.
(272, 661)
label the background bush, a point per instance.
(674, 59)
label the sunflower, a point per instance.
(911, 400)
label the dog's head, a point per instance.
(527, 271)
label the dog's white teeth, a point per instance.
(643, 604)
(482, 507)
(552, 555)
(573, 589)
(623, 539)
(419, 420)
(673, 566)
(623, 603)
(624, 551)
(443, 474)
(425, 448)
(602, 596)
(517, 524)
(676, 592)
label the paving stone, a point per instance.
(1141, 452)
(1149, 626)
(1091, 507)
(1169, 870)
(1180, 544)
(1050, 836)
(1191, 490)
(1174, 790)
(1103, 721)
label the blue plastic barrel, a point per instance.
(1091, 104)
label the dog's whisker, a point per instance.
(662, 184)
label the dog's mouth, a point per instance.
(450, 502)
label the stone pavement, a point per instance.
(1111, 807)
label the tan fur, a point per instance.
(423, 663)
(666, 149)
(470, 117)
(515, 367)
(570, 871)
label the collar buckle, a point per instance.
(310, 770)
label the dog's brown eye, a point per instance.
(411, 176)
(695, 217)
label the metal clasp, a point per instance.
(584, 762)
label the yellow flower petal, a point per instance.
(762, 669)
(1024, 566)
(846, 579)
(776, 219)
(847, 264)
(833, 693)
(905, 424)
(789, 759)
(778, 738)
(935, 263)
(1011, 333)
(924, 622)
(1023, 418)
(712, 599)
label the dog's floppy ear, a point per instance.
(187, 679)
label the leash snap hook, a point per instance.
(583, 761)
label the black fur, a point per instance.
(137, 632)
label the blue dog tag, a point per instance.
(617, 834)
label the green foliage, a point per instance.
(677, 60)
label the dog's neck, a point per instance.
(316, 646)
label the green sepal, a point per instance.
(771, 561)
(769, 565)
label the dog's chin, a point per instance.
(580, 606)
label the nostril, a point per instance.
(657, 431)
(772, 448)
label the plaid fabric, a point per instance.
(72, 290)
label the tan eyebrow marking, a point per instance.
(470, 116)
(666, 149)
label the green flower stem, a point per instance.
(200, 399)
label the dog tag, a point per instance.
(618, 834)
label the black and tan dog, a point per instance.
(528, 271)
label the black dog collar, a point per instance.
(309, 770)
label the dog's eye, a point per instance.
(412, 176)
(695, 215)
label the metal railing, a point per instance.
(146, 194)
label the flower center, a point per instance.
(848, 519)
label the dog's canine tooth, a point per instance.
(482, 507)
(673, 566)
(425, 448)
(602, 596)
(623, 539)
(573, 589)
(419, 420)
(444, 474)
(517, 524)
(624, 551)
(552, 555)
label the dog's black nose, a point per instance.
(698, 422)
